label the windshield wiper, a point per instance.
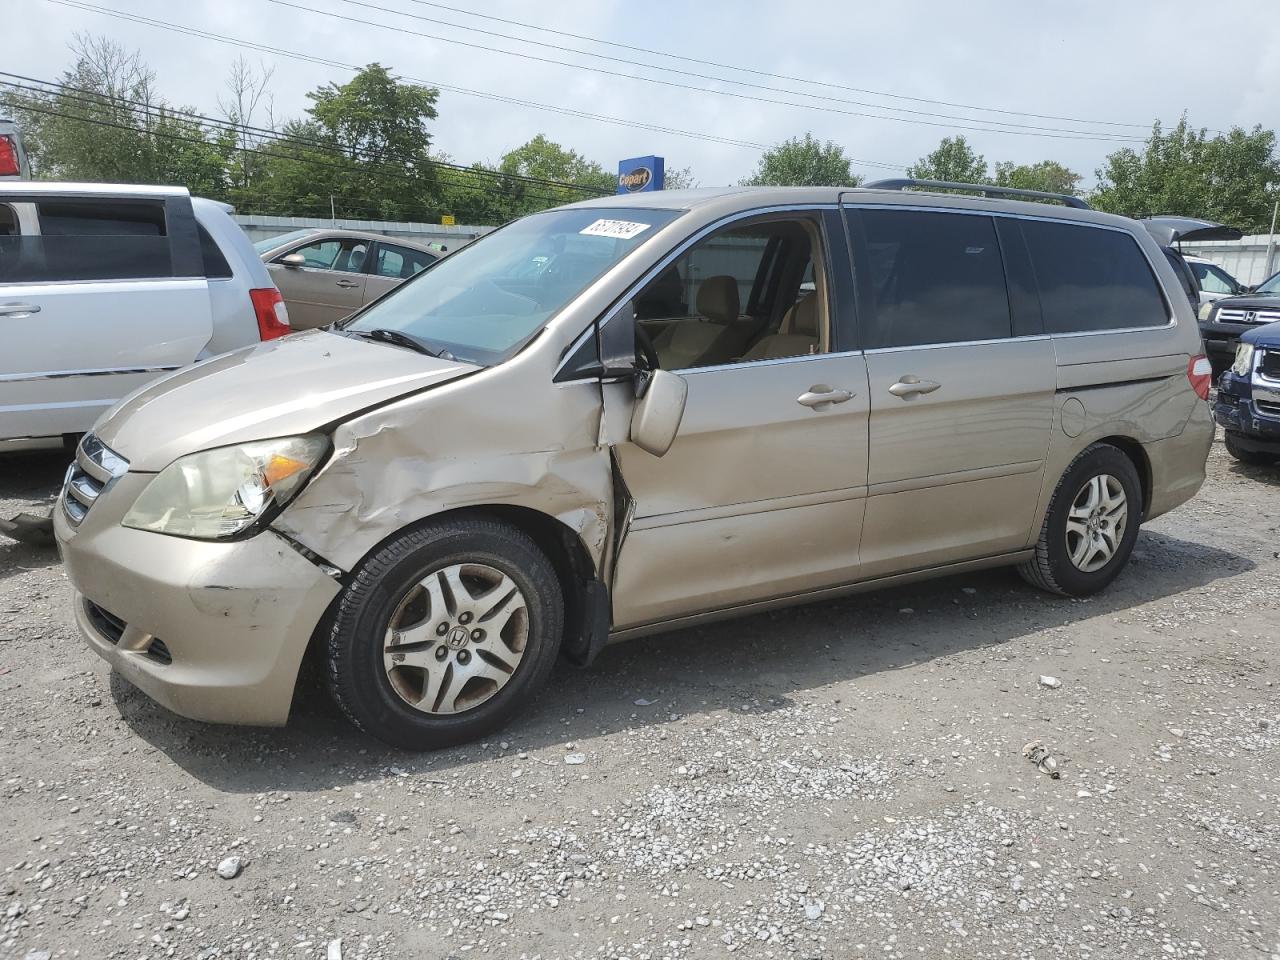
(402, 339)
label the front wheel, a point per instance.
(1091, 525)
(1253, 458)
(445, 633)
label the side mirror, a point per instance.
(293, 260)
(658, 412)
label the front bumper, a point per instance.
(1220, 340)
(233, 619)
(1237, 411)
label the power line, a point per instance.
(685, 86)
(452, 88)
(346, 168)
(275, 136)
(775, 76)
(706, 76)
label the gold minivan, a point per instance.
(630, 415)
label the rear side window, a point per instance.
(215, 264)
(401, 262)
(932, 278)
(88, 240)
(1092, 279)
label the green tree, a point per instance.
(803, 162)
(545, 159)
(106, 123)
(953, 160)
(363, 151)
(681, 178)
(1048, 176)
(1233, 178)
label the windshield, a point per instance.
(486, 301)
(1270, 285)
(270, 243)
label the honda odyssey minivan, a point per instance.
(629, 415)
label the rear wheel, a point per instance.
(1254, 458)
(1091, 525)
(445, 634)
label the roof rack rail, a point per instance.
(986, 189)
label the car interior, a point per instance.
(751, 293)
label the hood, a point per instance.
(1249, 301)
(274, 389)
(1267, 335)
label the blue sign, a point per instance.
(640, 174)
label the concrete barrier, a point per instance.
(259, 227)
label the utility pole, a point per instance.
(333, 216)
(1271, 243)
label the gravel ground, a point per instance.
(842, 780)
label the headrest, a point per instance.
(802, 319)
(718, 299)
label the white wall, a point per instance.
(261, 227)
(1245, 259)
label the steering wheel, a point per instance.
(647, 349)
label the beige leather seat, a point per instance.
(687, 343)
(798, 334)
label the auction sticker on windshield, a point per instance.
(617, 229)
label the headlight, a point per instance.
(1243, 364)
(1205, 310)
(219, 493)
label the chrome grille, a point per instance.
(1269, 365)
(1268, 407)
(95, 466)
(1234, 315)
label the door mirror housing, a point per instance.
(659, 408)
(294, 260)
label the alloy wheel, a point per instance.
(1096, 523)
(456, 638)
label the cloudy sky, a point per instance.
(886, 80)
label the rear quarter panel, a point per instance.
(1132, 384)
(234, 322)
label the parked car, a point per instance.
(1248, 401)
(491, 467)
(1224, 321)
(103, 288)
(13, 159)
(325, 275)
(1214, 282)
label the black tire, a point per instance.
(357, 678)
(1253, 458)
(1052, 568)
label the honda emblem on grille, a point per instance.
(1251, 316)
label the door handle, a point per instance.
(347, 283)
(18, 310)
(909, 386)
(820, 395)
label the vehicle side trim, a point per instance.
(827, 593)
(958, 476)
(98, 372)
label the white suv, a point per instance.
(103, 288)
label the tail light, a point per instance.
(9, 165)
(272, 314)
(1200, 373)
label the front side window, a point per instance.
(744, 293)
(343, 254)
(1213, 279)
(488, 299)
(932, 278)
(87, 240)
(1092, 279)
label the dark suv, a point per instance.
(1227, 319)
(1248, 403)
